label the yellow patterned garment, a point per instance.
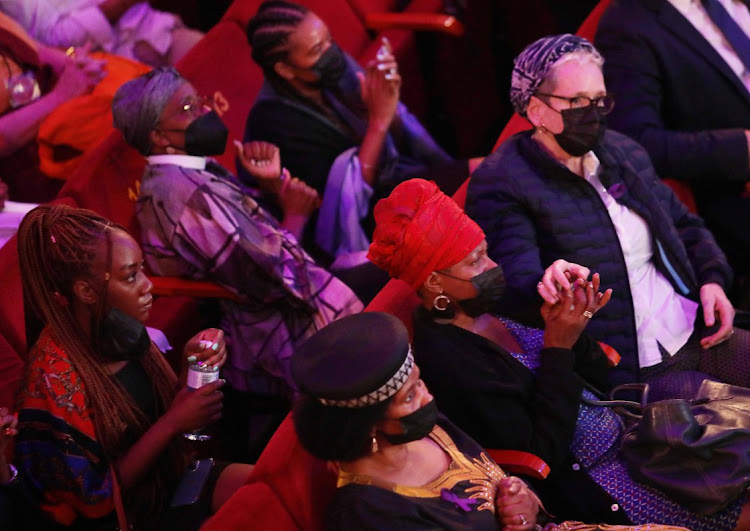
(482, 473)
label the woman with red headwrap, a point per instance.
(509, 386)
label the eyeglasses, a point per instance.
(605, 103)
(193, 106)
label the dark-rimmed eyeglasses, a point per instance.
(605, 103)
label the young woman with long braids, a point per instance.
(99, 402)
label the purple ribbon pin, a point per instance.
(616, 190)
(462, 503)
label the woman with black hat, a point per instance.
(401, 464)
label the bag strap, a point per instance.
(122, 517)
(625, 408)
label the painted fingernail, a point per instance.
(203, 343)
(200, 364)
(191, 359)
(215, 347)
(216, 367)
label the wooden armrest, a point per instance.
(613, 357)
(521, 463)
(172, 286)
(415, 21)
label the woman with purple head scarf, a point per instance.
(569, 188)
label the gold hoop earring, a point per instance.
(442, 312)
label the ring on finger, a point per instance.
(587, 314)
(523, 519)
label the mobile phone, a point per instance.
(192, 482)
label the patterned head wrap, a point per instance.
(355, 362)
(138, 104)
(534, 63)
(419, 230)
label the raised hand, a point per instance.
(208, 347)
(381, 86)
(559, 276)
(297, 198)
(78, 78)
(565, 319)
(262, 160)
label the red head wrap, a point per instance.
(419, 230)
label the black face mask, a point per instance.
(206, 136)
(490, 287)
(330, 67)
(583, 128)
(416, 425)
(122, 338)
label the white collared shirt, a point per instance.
(186, 161)
(662, 316)
(696, 14)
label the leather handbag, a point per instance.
(697, 451)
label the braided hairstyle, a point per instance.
(268, 33)
(58, 245)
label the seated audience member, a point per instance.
(509, 386)
(339, 128)
(130, 28)
(401, 464)
(99, 405)
(196, 222)
(681, 73)
(28, 95)
(570, 189)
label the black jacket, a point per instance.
(676, 96)
(534, 211)
(501, 404)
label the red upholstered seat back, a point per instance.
(108, 180)
(302, 485)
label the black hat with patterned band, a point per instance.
(358, 361)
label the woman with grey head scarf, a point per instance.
(570, 188)
(138, 104)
